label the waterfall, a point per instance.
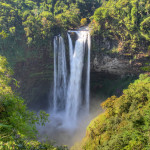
(87, 89)
(70, 48)
(60, 74)
(69, 94)
(55, 75)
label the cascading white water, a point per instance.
(70, 48)
(60, 74)
(55, 75)
(74, 95)
(70, 94)
(87, 89)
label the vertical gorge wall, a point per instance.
(35, 73)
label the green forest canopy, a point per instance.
(39, 19)
(127, 21)
(36, 22)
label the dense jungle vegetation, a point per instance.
(38, 20)
(127, 21)
(125, 124)
(28, 26)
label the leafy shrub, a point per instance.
(83, 21)
(125, 124)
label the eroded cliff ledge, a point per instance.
(111, 65)
(109, 57)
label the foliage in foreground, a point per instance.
(125, 124)
(17, 124)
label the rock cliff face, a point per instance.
(104, 63)
(108, 57)
(35, 76)
(110, 65)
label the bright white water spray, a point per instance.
(87, 91)
(70, 96)
(60, 74)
